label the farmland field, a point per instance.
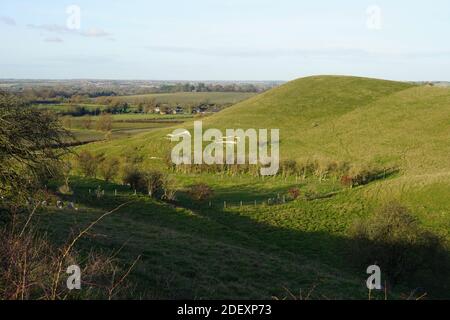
(184, 98)
(132, 123)
(123, 125)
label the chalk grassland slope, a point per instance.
(341, 118)
(346, 118)
(352, 119)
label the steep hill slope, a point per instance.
(342, 118)
(362, 121)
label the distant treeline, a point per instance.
(74, 93)
(79, 111)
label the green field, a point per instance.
(171, 99)
(123, 125)
(67, 107)
(229, 250)
(150, 116)
(130, 124)
(190, 98)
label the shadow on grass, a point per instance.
(209, 253)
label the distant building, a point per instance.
(200, 109)
(179, 110)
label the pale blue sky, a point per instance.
(225, 40)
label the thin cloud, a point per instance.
(61, 29)
(7, 20)
(51, 28)
(264, 53)
(54, 39)
(322, 53)
(428, 54)
(95, 33)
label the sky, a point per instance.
(224, 40)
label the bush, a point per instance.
(105, 122)
(109, 168)
(362, 175)
(200, 192)
(294, 193)
(347, 181)
(169, 188)
(133, 177)
(393, 239)
(153, 182)
(88, 164)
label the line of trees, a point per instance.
(85, 92)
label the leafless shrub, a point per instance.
(200, 192)
(88, 163)
(109, 168)
(31, 267)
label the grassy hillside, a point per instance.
(305, 242)
(342, 118)
(201, 252)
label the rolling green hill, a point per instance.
(343, 118)
(358, 120)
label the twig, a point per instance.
(29, 219)
(74, 241)
(123, 278)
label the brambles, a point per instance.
(31, 263)
(200, 192)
